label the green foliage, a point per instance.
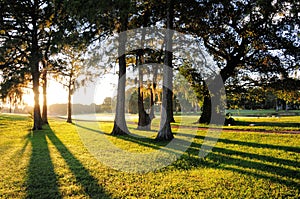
(31, 31)
(243, 36)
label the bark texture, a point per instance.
(35, 73)
(120, 126)
(45, 106)
(165, 132)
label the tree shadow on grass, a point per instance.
(279, 170)
(271, 124)
(41, 178)
(143, 141)
(261, 166)
(276, 169)
(42, 181)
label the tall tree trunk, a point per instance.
(34, 65)
(10, 104)
(37, 119)
(170, 99)
(144, 122)
(165, 132)
(45, 105)
(170, 26)
(120, 126)
(154, 84)
(206, 110)
(69, 108)
(214, 102)
(152, 101)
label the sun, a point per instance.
(56, 94)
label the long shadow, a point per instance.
(273, 124)
(225, 156)
(147, 142)
(91, 129)
(82, 175)
(41, 179)
(174, 149)
(143, 141)
(253, 144)
(259, 166)
(270, 159)
(222, 158)
(243, 143)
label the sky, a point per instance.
(92, 93)
(96, 92)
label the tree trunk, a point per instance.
(169, 55)
(170, 99)
(34, 65)
(165, 132)
(10, 104)
(153, 90)
(144, 122)
(45, 106)
(120, 126)
(152, 100)
(69, 108)
(37, 119)
(206, 110)
(214, 102)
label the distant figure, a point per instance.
(229, 120)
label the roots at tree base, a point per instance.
(118, 131)
(144, 121)
(165, 134)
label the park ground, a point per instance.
(259, 157)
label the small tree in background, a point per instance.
(71, 73)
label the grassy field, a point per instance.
(54, 162)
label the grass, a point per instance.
(263, 112)
(57, 162)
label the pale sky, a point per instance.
(92, 93)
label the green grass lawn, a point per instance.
(55, 163)
(263, 112)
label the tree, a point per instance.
(144, 121)
(106, 106)
(13, 94)
(15, 80)
(71, 73)
(20, 43)
(44, 86)
(120, 126)
(242, 36)
(287, 90)
(184, 94)
(30, 30)
(165, 131)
